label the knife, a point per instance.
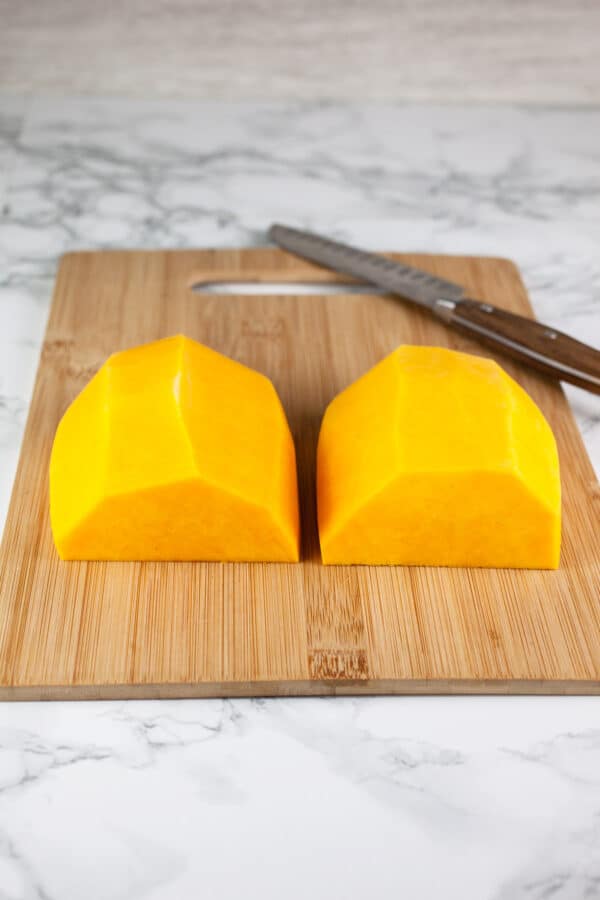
(545, 349)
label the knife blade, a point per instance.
(547, 350)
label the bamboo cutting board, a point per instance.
(77, 630)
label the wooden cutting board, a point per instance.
(85, 630)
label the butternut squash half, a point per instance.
(435, 457)
(175, 452)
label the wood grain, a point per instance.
(526, 51)
(74, 630)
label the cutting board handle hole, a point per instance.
(282, 288)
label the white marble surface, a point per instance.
(469, 798)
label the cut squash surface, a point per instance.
(174, 451)
(436, 457)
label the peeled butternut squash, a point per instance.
(435, 457)
(175, 452)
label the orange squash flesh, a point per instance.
(435, 457)
(175, 452)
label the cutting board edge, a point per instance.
(293, 268)
(303, 688)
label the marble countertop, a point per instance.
(469, 798)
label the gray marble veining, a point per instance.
(422, 797)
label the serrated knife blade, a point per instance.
(539, 346)
(414, 284)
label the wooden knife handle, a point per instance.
(547, 350)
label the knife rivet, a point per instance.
(550, 334)
(485, 307)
